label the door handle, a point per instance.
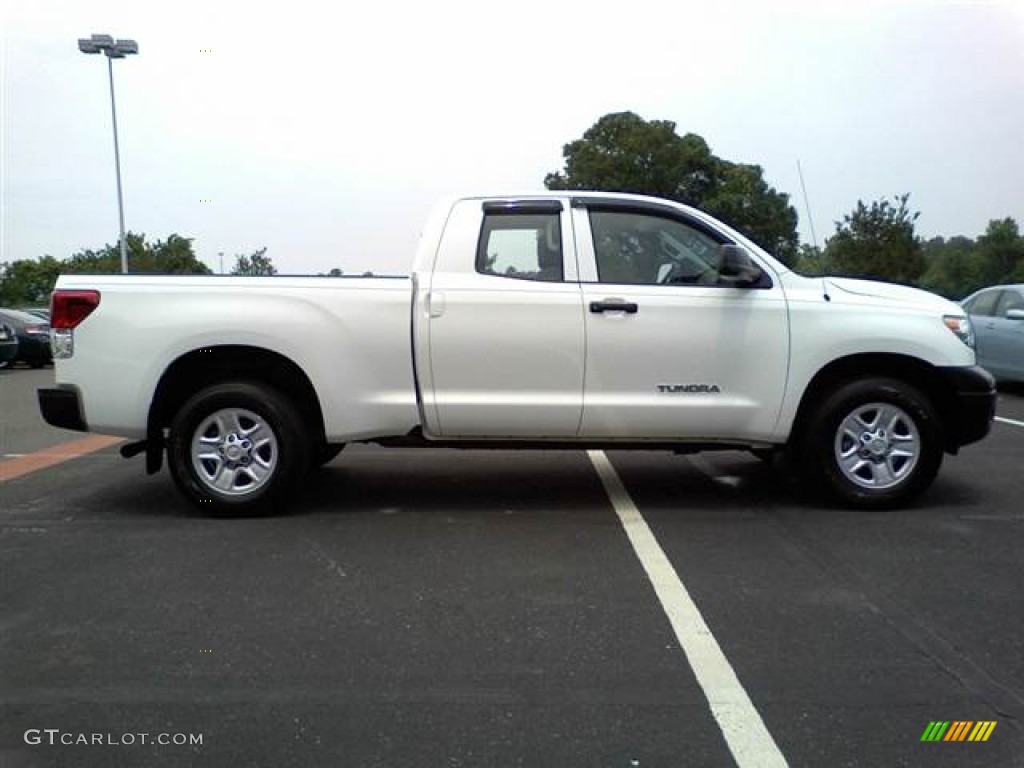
(629, 307)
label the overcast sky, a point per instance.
(326, 131)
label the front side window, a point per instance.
(641, 249)
(1011, 300)
(527, 246)
(983, 303)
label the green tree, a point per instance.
(742, 198)
(255, 265)
(810, 261)
(953, 267)
(622, 152)
(877, 242)
(173, 256)
(1001, 252)
(25, 283)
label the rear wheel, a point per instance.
(875, 443)
(238, 448)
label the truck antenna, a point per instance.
(807, 205)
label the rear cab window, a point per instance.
(523, 244)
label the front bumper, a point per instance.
(973, 407)
(62, 408)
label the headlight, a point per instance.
(961, 326)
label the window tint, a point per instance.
(527, 246)
(641, 249)
(984, 303)
(1010, 300)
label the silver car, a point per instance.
(997, 314)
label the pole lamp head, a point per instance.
(105, 44)
(122, 48)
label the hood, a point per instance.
(846, 288)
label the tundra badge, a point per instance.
(689, 389)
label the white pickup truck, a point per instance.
(554, 320)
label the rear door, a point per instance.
(505, 317)
(674, 351)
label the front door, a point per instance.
(674, 350)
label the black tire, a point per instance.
(256, 447)
(326, 453)
(873, 444)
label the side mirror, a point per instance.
(735, 267)
(1015, 314)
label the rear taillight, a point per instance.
(69, 308)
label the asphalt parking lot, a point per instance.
(442, 608)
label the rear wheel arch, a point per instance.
(205, 367)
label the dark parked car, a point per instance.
(33, 336)
(43, 312)
(997, 314)
(8, 345)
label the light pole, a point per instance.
(113, 50)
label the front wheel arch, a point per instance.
(911, 370)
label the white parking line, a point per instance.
(741, 725)
(1010, 421)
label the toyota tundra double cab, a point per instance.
(549, 320)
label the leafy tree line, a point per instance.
(622, 152)
(959, 266)
(878, 242)
(28, 282)
(256, 264)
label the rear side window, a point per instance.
(526, 246)
(984, 303)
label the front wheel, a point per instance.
(875, 443)
(238, 448)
